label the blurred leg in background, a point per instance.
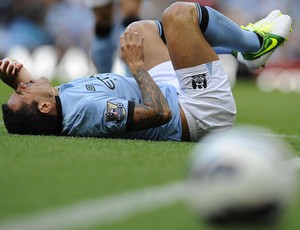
(111, 18)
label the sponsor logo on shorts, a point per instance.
(115, 112)
(199, 81)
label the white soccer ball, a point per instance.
(241, 177)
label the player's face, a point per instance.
(35, 90)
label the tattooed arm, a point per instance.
(155, 111)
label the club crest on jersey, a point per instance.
(115, 112)
(199, 81)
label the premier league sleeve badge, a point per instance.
(115, 112)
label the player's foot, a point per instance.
(263, 22)
(256, 26)
(274, 34)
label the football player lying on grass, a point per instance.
(178, 92)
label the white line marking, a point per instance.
(278, 135)
(295, 162)
(289, 136)
(95, 212)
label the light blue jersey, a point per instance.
(102, 105)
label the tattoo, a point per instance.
(155, 110)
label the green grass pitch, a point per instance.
(40, 173)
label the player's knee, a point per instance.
(136, 26)
(141, 27)
(178, 12)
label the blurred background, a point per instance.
(55, 38)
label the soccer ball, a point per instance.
(241, 177)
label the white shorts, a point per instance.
(204, 93)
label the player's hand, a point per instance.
(132, 49)
(9, 70)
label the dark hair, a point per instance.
(29, 120)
